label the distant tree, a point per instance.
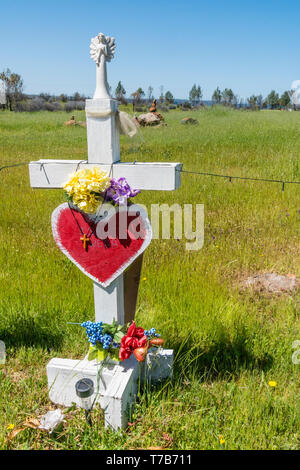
(161, 95)
(138, 94)
(255, 102)
(150, 93)
(169, 97)
(63, 98)
(77, 96)
(260, 101)
(252, 101)
(217, 96)
(273, 99)
(195, 94)
(13, 87)
(285, 99)
(45, 96)
(137, 97)
(120, 92)
(228, 97)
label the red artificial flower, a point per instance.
(134, 339)
(139, 332)
(134, 331)
(143, 341)
(129, 342)
(124, 353)
(131, 329)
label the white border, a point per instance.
(149, 234)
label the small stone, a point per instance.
(189, 120)
(149, 119)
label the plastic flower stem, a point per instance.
(102, 365)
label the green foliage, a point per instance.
(68, 197)
(97, 352)
(115, 330)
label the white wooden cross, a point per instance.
(119, 382)
(104, 151)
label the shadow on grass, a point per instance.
(220, 359)
(28, 332)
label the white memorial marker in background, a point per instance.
(118, 383)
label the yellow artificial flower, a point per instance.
(272, 383)
(85, 186)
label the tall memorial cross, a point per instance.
(119, 382)
(104, 151)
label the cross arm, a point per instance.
(148, 176)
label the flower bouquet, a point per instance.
(87, 189)
(119, 342)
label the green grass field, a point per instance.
(229, 342)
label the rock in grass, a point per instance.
(272, 283)
(149, 119)
(189, 121)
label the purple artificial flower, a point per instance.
(119, 191)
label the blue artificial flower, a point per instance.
(93, 331)
(151, 333)
(106, 340)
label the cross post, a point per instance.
(118, 384)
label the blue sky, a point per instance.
(249, 46)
